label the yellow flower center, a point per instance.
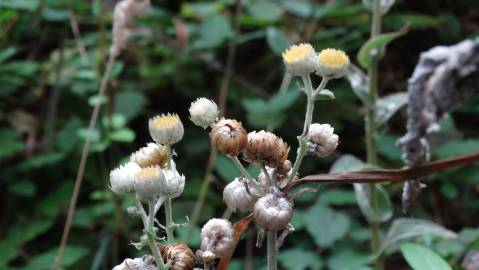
(333, 57)
(165, 121)
(297, 52)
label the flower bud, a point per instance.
(321, 140)
(333, 63)
(236, 196)
(273, 212)
(228, 136)
(300, 59)
(149, 182)
(122, 178)
(174, 182)
(179, 256)
(166, 129)
(279, 174)
(217, 236)
(151, 155)
(203, 112)
(265, 148)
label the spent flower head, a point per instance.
(166, 129)
(300, 59)
(321, 140)
(237, 197)
(122, 178)
(332, 63)
(228, 136)
(149, 182)
(150, 155)
(265, 148)
(217, 236)
(273, 211)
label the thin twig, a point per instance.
(76, 34)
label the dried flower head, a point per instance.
(124, 12)
(174, 181)
(179, 256)
(265, 148)
(128, 264)
(273, 212)
(122, 178)
(166, 129)
(203, 112)
(149, 182)
(150, 155)
(280, 174)
(300, 59)
(237, 197)
(217, 236)
(228, 136)
(321, 140)
(333, 63)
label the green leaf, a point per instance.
(10, 143)
(94, 100)
(458, 147)
(387, 106)
(129, 104)
(324, 94)
(67, 138)
(423, 258)
(386, 146)
(410, 228)
(359, 83)
(348, 259)
(117, 121)
(72, 254)
(125, 135)
(29, 5)
(200, 9)
(375, 45)
(41, 160)
(337, 197)
(325, 224)
(350, 163)
(300, 259)
(265, 11)
(7, 53)
(213, 31)
(277, 40)
(226, 169)
(22, 188)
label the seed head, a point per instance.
(321, 140)
(166, 129)
(151, 155)
(122, 178)
(279, 174)
(237, 197)
(273, 212)
(203, 112)
(149, 182)
(217, 236)
(265, 148)
(127, 264)
(179, 256)
(228, 136)
(333, 63)
(300, 59)
(174, 182)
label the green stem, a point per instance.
(241, 168)
(169, 221)
(149, 223)
(272, 250)
(371, 133)
(303, 138)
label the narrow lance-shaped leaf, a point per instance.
(423, 258)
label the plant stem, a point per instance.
(303, 138)
(371, 133)
(169, 221)
(272, 250)
(241, 168)
(150, 223)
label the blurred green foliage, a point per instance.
(48, 85)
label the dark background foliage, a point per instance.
(178, 53)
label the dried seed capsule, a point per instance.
(217, 236)
(273, 212)
(149, 182)
(265, 148)
(228, 136)
(174, 181)
(300, 59)
(203, 112)
(279, 174)
(166, 129)
(122, 178)
(321, 140)
(333, 64)
(237, 197)
(150, 155)
(179, 256)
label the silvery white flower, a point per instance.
(174, 182)
(203, 112)
(149, 182)
(300, 59)
(166, 129)
(321, 140)
(237, 198)
(122, 178)
(217, 236)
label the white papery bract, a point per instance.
(300, 60)
(122, 178)
(236, 196)
(166, 129)
(273, 212)
(203, 112)
(174, 181)
(149, 182)
(217, 236)
(321, 140)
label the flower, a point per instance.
(237, 197)
(150, 155)
(166, 129)
(217, 236)
(266, 148)
(300, 59)
(273, 212)
(321, 140)
(127, 264)
(203, 112)
(149, 182)
(122, 178)
(179, 256)
(279, 174)
(174, 182)
(333, 63)
(228, 136)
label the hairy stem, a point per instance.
(272, 250)
(371, 133)
(241, 168)
(169, 221)
(150, 233)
